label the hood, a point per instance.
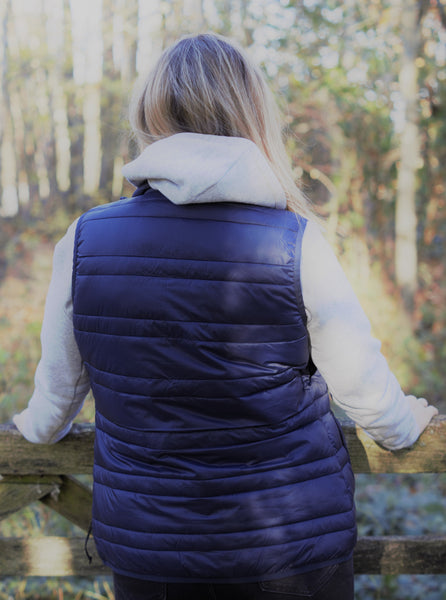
(191, 168)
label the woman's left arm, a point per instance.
(61, 380)
(349, 357)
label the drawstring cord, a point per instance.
(90, 558)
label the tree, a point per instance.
(87, 72)
(9, 204)
(55, 39)
(410, 159)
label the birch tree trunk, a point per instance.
(9, 201)
(55, 29)
(87, 71)
(193, 15)
(124, 42)
(92, 138)
(410, 159)
(150, 39)
(24, 166)
(45, 146)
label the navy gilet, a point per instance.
(217, 457)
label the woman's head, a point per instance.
(207, 84)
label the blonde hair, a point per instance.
(207, 84)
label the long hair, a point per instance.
(207, 84)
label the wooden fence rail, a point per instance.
(45, 473)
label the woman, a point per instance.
(201, 309)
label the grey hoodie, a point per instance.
(190, 168)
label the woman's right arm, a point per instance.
(347, 355)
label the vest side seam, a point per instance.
(297, 270)
(343, 446)
(75, 257)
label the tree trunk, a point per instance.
(92, 138)
(150, 39)
(87, 71)
(55, 28)
(9, 200)
(193, 15)
(18, 109)
(410, 160)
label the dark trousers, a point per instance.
(329, 583)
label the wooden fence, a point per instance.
(45, 473)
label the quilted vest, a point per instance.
(217, 457)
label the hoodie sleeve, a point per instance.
(347, 355)
(61, 380)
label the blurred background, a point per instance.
(362, 89)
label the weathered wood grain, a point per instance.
(31, 472)
(74, 454)
(48, 557)
(428, 455)
(394, 555)
(73, 501)
(62, 557)
(17, 492)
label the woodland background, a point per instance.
(362, 87)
